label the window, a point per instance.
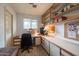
(30, 24)
(34, 24)
(27, 24)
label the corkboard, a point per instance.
(77, 32)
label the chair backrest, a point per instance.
(26, 39)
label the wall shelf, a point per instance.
(59, 7)
(68, 11)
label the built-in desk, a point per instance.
(36, 39)
(60, 44)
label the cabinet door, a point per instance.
(65, 53)
(54, 50)
(45, 45)
(37, 41)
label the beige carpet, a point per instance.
(36, 51)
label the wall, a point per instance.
(20, 18)
(2, 26)
(2, 41)
(60, 29)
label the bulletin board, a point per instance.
(77, 30)
(72, 30)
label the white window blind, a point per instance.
(30, 24)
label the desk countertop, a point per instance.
(67, 44)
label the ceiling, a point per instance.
(26, 8)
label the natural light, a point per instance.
(30, 24)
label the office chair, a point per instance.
(26, 42)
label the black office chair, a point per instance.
(26, 42)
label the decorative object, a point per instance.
(56, 19)
(62, 10)
(68, 7)
(60, 20)
(64, 18)
(51, 20)
(65, 8)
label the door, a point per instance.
(8, 28)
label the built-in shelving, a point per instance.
(69, 10)
(62, 10)
(57, 9)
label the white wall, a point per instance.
(2, 20)
(20, 18)
(60, 29)
(2, 41)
